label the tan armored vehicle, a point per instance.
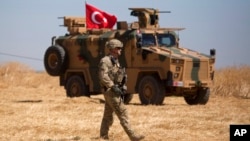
(157, 66)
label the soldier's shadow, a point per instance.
(139, 104)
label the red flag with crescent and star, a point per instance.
(96, 18)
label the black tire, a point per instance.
(201, 97)
(76, 87)
(54, 60)
(151, 91)
(127, 98)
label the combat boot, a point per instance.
(105, 137)
(137, 138)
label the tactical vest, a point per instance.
(117, 73)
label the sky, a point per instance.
(27, 26)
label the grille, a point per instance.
(197, 70)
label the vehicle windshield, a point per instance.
(148, 40)
(166, 40)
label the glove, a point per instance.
(116, 89)
(124, 89)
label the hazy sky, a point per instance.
(27, 26)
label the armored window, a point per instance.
(148, 40)
(167, 40)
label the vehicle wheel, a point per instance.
(127, 98)
(151, 91)
(201, 97)
(76, 87)
(54, 60)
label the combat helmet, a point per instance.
(113, 43)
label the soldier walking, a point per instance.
(109, 74)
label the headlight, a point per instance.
(178, 69)
(211, 61)
(176, 75)
(177, 61)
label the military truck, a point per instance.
(156, 65)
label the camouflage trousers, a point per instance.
(113, 104)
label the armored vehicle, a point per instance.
(156, 65)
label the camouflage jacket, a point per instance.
(108, 71)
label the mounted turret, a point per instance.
(147, 17)
(75, 25)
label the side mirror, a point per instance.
(212, 52)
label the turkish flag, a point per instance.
(96, 18)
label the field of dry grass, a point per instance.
(34, 107)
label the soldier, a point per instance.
(109, 71)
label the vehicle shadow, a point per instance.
(28, 101)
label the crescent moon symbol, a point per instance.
(105, 20)
(93, 17)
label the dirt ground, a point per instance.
(48, 115)
(34, 107)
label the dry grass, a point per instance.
(34, 107)
(232, 81)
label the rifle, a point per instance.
(122, 80)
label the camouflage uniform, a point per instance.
(108, 70)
